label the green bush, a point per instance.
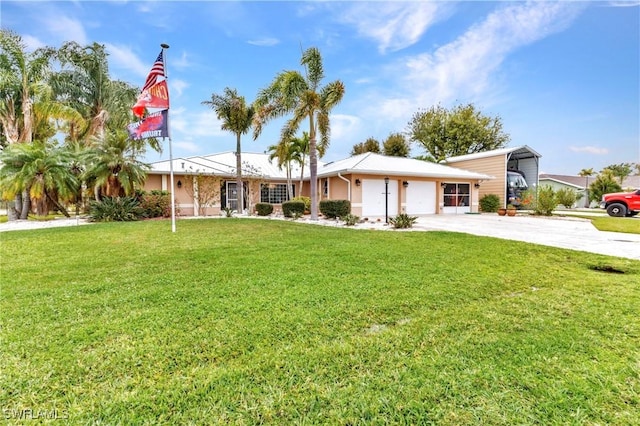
(305, 200)
(489, 203)
(117, 209)
(546, 201)
(403, 221)
(155, 204)
(293, 209)
(264, 209)
(335, 208)
(566, 197)
(350, 219)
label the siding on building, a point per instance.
(492, 166)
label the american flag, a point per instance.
(156, 70)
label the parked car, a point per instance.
(620, 204)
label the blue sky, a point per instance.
(563, 76)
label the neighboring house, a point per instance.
(499, 163)
(576, 183)
(413, 187)
(580, 184)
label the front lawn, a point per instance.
(241, 321)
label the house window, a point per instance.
(325, 187)
(274, 193)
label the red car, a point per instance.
(620, 204)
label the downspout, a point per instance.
(348, 185)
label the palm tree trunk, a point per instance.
(26, 205)
(58, 205)
(239, 187)
(313, 164)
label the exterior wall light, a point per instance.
(405, 183)
(476, 185)
(179, 184)
(358, 182)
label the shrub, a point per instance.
(403, 221)
(335, 208)
(350, 219)
(305, 200)
(566, 197)
(228, 212)
(293, 209)
(117, 209)
(490, 203)
(264, 209)
(545, 201)
(155, 204)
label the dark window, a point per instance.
(274, 193)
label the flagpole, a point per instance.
(173, 198)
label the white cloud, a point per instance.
(266, 41)
(66, 29)
(343, 126)
(32, 42)
(186, 145)
(589, 150)
(177, 86)
(394, 25)
(467, 67)
(124, 58)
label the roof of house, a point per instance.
(224, 164)
(580, 181)
(575, 181)
(371, 163)
(517, 153)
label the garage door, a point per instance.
(421, 198)
(373, 198)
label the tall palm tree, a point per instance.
(586, 173)
(21, 75)
(44, 171)
(237, 117)
(291, 92)
(112, 166)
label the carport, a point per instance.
(498, 163)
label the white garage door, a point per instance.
(421, 198)
(373, 198)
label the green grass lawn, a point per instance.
(242, 321)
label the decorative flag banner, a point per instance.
(157, 70)
(157, 96)
(154, 125)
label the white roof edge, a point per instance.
(492, 153)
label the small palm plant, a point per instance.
(403, 221)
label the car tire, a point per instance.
(632, 214)
(617, 210)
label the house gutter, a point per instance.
(348, 185)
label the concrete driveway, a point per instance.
(563, 232)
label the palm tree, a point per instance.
(21, 74)
(112, 166)
(84, 84)
(586, 173)
(284, 152)
(300, 148)
(291, 92)
(44, 171)
(237, 117)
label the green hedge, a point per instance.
(293, 208)
(335, 208)
(264, 209)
